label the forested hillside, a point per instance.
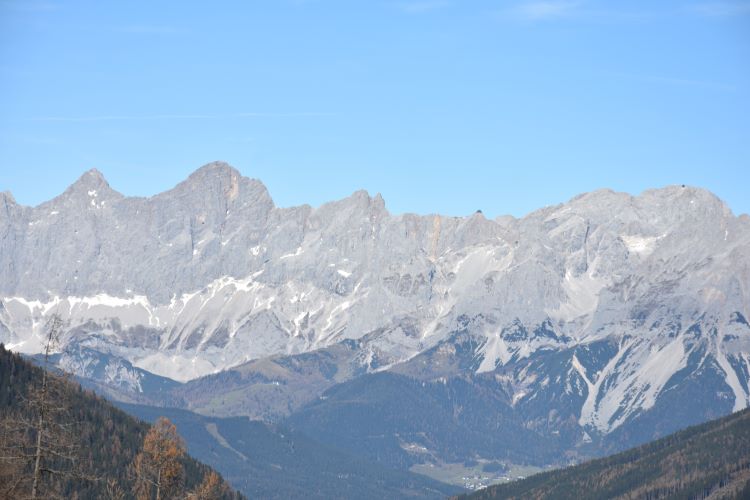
(271, 461)
(711, 460)
(88, 447)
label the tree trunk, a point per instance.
(37, 458)
(158, 485)
(54, 325)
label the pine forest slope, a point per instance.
(274, 462)
(107, 437)
(711, 460)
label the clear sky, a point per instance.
(441, 106)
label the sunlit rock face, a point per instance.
(636, 294)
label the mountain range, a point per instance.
(412, 340)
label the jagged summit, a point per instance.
(94, 174)
(91, 179)
(91, 191)
(213, 169)
(358, 201)
(218, 186)
(8, 197)
(225, 176)
(219, 223)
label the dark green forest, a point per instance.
(708, 460)
(92, 444)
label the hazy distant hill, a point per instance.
(711, 460)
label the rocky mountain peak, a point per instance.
(91, 179)
(6, 197)
(7, 203)
(213, 170)
(220, 181)
(685, 195)
(363, 199)
(91, 189)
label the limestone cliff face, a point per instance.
(211, 274)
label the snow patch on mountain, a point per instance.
(630, 382)
(741, 393)
(642, 245)
(581, 296)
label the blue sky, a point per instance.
(442, 106)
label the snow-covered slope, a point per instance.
(210, 275)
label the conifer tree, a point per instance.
(38, 447)
(211, 488)
(158, 469)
